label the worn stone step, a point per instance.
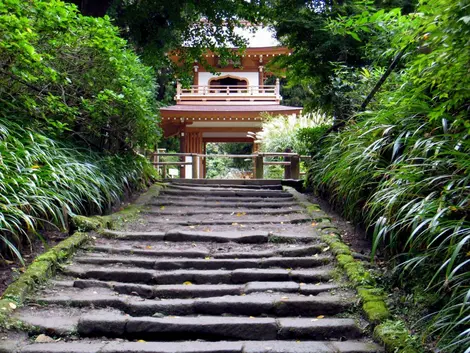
(225, 204)
(180, 234)
(229, 186)
(255, 304)
(211, 327)
(238, 276)
(213, 220)
(205, 264)
(216, 254)
(202, 290)
(104, 346)
(178, 211)
(229, 193)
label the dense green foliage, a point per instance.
(323, 61)
(221, 167)
(72, 75)
(402, 167)
(75, 102)
(290, 133)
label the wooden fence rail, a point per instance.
(291, 162)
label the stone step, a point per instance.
(178, 235)
(228, 193)
(213, 220)
(225, 204)
(104, 346)
(204, 264)
(207, 198)
(255, 304)
(178, 211)
(228, 186)
(238, 276)
(202, 290)
(213, 328)
(216, 253)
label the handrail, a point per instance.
(228, 92)
(264, 154)
(291, 161)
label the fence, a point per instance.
(190, 163)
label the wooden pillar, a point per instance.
(182, 150)
(259, 167)
(295, 167)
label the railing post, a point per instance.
(195, 166)
(259, 167)
(295, 167)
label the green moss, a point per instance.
(370, 293)
(150, 194)
(395, 337)
(358, 274)
(85, 224)
(40, 270)
(338, 248)
(344, 259)
(376, 311)
(313, 207)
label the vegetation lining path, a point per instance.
(182, 281)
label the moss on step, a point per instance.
(40, 270)
(395, 337)
(118, 219)
(86, 224)
(392, 334)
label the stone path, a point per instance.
(209, 268)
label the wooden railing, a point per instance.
(291, 162)
(266, 93)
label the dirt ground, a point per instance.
(11, 268)
(354, 236)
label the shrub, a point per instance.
(72, 76)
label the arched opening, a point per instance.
(228, 84)
(228, 81)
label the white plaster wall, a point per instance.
(252, 77)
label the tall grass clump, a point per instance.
(403, 169)
(43, 181)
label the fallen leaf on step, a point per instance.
(12, 305)
(301, 284)
(162, 207)
(239, 214)
(234, 224)
(187, 283)
(141, 341)
(207, 230)
(148, 247)
(284, 298)
(313, 320)
(252, 317)
(320, 316)
(42, 338)
(326, 249)
(207, 258)
(192, 227)
(314, 224)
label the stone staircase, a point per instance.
(209, 268)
